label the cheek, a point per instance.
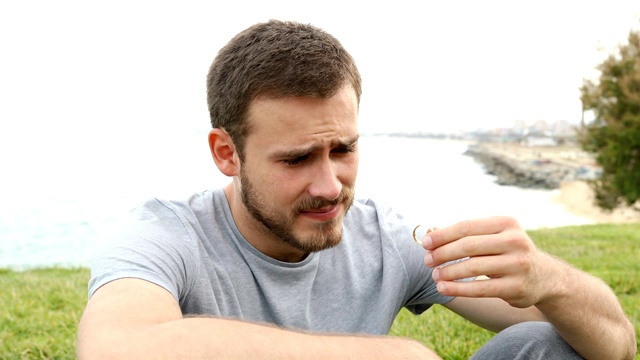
(349, 170)
(283, 187)
(356, 163)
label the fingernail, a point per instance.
(426, 241)
(441, 287)
(428, 259)
(435, 275)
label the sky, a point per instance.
(89, 76)
(438, 65)
(103, 104)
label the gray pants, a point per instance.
(529, 340)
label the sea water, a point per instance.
(58, 220)
(432, 182)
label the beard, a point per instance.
(280, 222)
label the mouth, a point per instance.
(322, 214)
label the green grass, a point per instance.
(41, 308)
(40, 312)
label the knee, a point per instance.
(530, 332)
(528, 340)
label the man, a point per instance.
(283, 263)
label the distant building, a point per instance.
(562, 128)
(520, 127)
(539, 127)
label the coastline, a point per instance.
(542, 167)
(578, 199)
(564, 169)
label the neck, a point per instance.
(257, 234)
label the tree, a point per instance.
(614, 135)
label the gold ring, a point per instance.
(415, 236)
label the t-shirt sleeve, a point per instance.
(421, 292)
(154, 244)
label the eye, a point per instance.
(296, 160)
(344, 149)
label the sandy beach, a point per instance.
(577, 198)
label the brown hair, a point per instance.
(277, 59)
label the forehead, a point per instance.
(295, 121)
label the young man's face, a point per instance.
(298, 177)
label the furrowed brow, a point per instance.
(294, 153)
(302, 151)
(347, 143)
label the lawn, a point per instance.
(41, 308)
(40, 312)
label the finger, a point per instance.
(490, 225)
(425, 240)
(488, 266)
(472, 246)
(507, 288)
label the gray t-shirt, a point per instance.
(194, 250)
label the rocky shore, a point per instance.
(533, 167)
(561, 168)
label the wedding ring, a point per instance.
(415, 235)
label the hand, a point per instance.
(499, 249)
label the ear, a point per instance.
(224, 153)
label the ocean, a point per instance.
(60, 220)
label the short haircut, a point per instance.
(277, 59)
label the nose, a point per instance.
(325, 183)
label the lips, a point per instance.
(322, 214)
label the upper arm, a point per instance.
(492, 313)
(122, 306)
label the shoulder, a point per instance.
(183, 209)
(376, 219)
(374, 211)
(159, 242)
(379, 223)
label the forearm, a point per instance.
(582, 303)
(220, 338)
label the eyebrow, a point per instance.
(302, 151)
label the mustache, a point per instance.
(319, 203)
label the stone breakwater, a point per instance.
(533, 167)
